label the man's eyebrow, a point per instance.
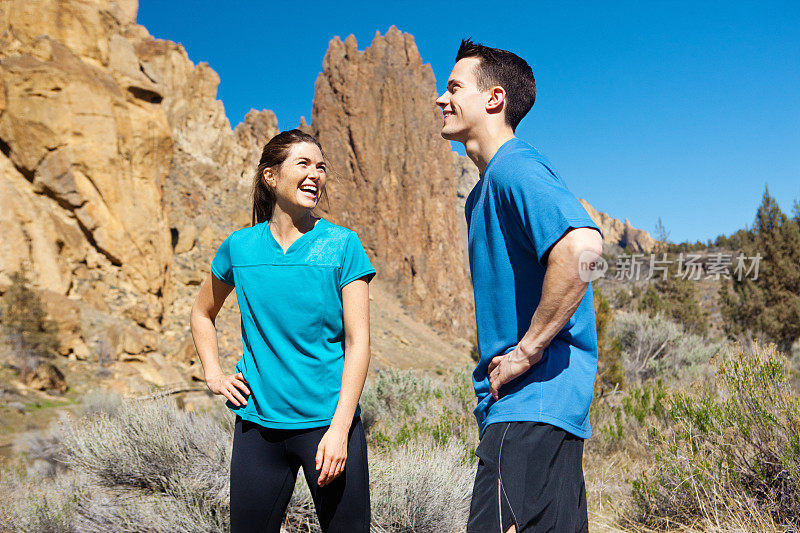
(452, 82)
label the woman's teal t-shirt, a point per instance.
(292, 327)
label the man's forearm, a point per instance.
(562, 289)
(562, 292)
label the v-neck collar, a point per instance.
(298, 243)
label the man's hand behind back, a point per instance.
(505, 368)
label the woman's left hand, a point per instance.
(331, 455)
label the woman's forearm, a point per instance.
(204, 335)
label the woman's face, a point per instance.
(300, 179)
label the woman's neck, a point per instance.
(285, 225)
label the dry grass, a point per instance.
(148, 466)
(422, 487)
(131, 466)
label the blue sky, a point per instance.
(683, 110)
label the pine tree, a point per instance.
(662, 236)
(674, 297)
(677, 299)
(768, 306)
(25, 325)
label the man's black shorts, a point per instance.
(530, 475)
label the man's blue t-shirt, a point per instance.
(292, 324)
(517, 211)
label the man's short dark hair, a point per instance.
(509, 71)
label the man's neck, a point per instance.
(482, 147)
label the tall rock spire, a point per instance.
(393, 182)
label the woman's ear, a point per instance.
(269, 177)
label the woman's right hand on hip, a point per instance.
(229, 386)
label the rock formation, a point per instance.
(119, 172)
(622, 234)
(207, 190)
(374, 113)
(85, 151)
(467, 176)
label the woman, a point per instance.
(302, 287)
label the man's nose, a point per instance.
(442, 100)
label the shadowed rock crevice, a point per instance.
(5, 148)
(147, 95)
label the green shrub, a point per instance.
(676, 298)
(610, 368)
(401, 406)
(655, 346)
(631, 417)
(733, 453)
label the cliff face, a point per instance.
(119, 173)
(207, 190)
(86, 149)
(374, 113)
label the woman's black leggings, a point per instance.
(264, 468)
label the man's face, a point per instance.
(463, 105)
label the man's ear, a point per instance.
(497, 99)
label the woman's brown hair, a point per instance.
(273, 155)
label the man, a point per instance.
(535, 313)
